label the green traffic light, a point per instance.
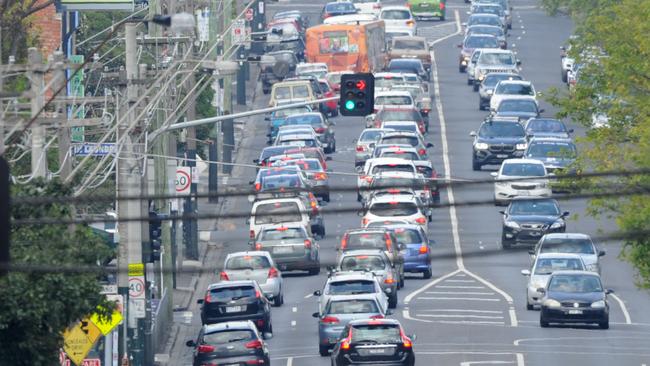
(349, 105)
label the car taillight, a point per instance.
(442, 5)
(408, 5)
(259, 323)
(389, 242)
(326, 16)
(207, 297)
(224, 276)
(378, 316)
(254, 344)
(258, 246)
(263, 163)
(364, 221)
(406, 341)
(361, 148)
(307, 243)
(368, 178)
(258, 186)
(389, 281)
(204, 348)
(421, 220)
(258, 295)
(319, 130)
(273, 273)
(424, 249)
(255, 362)
(422, 152)
(330, 320)
(251, 234)
(320, 176)
(344, 242)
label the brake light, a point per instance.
(378, 316)
(251, 234)
(254, 344)
(361, 148)
(224, 276)
(406, 341)
(345, 345)
(410, 23)
(319, 130)
(389, 242)
(330, 320)
(258, 246)
(344, 242)
(424, 249)
(273, 273)
(263, 163)
(389, 281)
(422, 152)
(207, 297)
(307, 243)
(259, 322)
(204, 348)
(258, 295)
(421, 220)
(368, 178)
(258, 186)
(320, 176)
(442, 5)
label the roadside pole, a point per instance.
(39, 160)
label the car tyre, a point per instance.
(324, 351)
(476, 166)
(476, 85)
(278, 300)
(314, 271)
(333, 147)
(442, 18)
(604, 325)
(529, 306)
(505, 243)
(470, 81)
(564, 75)
(461, 69)
(392, 301)
(427, 274)
(542, 322)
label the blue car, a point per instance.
(417, 248)
(278, 118)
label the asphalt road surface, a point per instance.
(473, 310)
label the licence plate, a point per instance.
(523, 193)
(377, 351)
(282, 250)
(575, 312)
(233, 309)
(535, 233)
(502, 156)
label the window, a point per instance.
(394, 209)
(481, 42)
(282, 234)
(353, 307)
(374, 240)
(501, 129)
(334, 42)
(274, 213)
(372, 135)
(400, 154)
(308, 119)
(400, 140)
(228, 336)
(546, 266)
(552, 150)
(523, 170)
(563, 245)
(394, 100)
(534, 207)
(363, 262)
(280, 181)
(545, 125)
(375, 333)
(387, 82)
(407, 236)
(248, 262)
(283, 92)
(352, 287)
(396, 14)
(575, 283)
(392, 168)
(300, 91)
(228, 293)
(497, 59)
(408, 44)
(514, 105)
(515, 89)
(399, 115)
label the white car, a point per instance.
(397, 18)
(350, 283)
(572, 243)
(276, 211)
(510, 181)
(384, 81)
(394, 99)
(298, 139)
(511, 89)
(542, 268)
(379, 165)
(258, 266)
(319, 69)
(372, 7)
(400, 207)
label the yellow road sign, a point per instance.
(136, 269)
(79, 340)
(104, 325)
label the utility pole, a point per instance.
(39, 160)
(215, 132)
(129, 183)
(5, 213)
(63, 133)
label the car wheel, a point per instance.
(469, 81)
(461, 69)
(542, 322)
(359, 197)
(334, 147)
(321, 231)
(269, 328)
(428, 273)
(278, 300)
(476, 85)
(442, 18)
(529, 306)
(314, 271)
(392, 301)
(323, 350)
(564, 75)
(476, 165)
(505, 243)
(604, 325)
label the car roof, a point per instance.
(522, 82)
(558, 255)
(383, 161)
(391, 148)
(567, 236)
(392, 93)
(227, 284)
(350, 276)
(366, 296)
(403, 133)
(574, 272)
(396, 174)
(523, 161)
(394, 198)
(242, 325)
(408, 38)
(395, 7)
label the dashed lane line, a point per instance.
(463, 316)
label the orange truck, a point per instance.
(355, 47)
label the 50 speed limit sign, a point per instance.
(183, 180)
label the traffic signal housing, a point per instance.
(357, 94)
(155, 233)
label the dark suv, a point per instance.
(236, 301)
(230, 343)
(526, 220)
(283, 66)
(497, 139)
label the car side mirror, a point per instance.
(502, 212)
(429, 145)
(473, 133)
(541, 290)
(565, 213)
(315, 315)
(531, 252)
(248, 221)
(494, 174)
(518, 62)
(570, 130)
(359, 213)
(463, 24)
(190, 343)
(267, 118)
(601, 253)
(460, 45)
(317, 293)
(525, 272)
(199, 301)
(609, 291)
(251, 182)
(256, 161)
(542, 110)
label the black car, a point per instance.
(526, 220)
(547, 127)
(283, 66)
(522, 108)
(236, 301)
(230, 343)
(374, 342)
(497, 139)
(574, 297)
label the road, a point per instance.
(473, 310)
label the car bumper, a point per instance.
(306, 262)
(505, 193)
(428, 13)
(329, 335)
(487, 157)
(407, 358)
(527, 235)
(271, 288)
(562, 315)
(240, 360)
(417, 266)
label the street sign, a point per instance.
(238, 31)
(136, 287)
(105, 325)
(249, 14)
(136, 293)
(93, 149)
(86, 362)
(183, 179)
(79, 340)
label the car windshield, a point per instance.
(300, 91)
(515, 105)
(534, 207)
(407, 236)
(273, 151)
(283, 92)
(396, 14)
(400, 140)
(577, 283)
(408, 44)
(500, 58)
(289, 111)
(523, 170)
(491, 30)
(310, 165)
(371, 135)
(399, 115)
(283, 233)
(280, 181)
(304, 119)
(376, 333)
(546, 125)
(515, 89)
(501, 129)
(248, 262)
(363, 262)
(481, 42)
(546, 266)
(352, 307)
(377, 169)
(394, 100)
(394, 209)
(492, 80)
(228, 336)
(351, 287)
(389, 183)
(552, 150)
(272, 213)
(565, 245)
(224, 294)
(298, 141)
(409, 127)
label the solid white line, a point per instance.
(513, 317)
(410, 296)
(626, 314)
(475, 287)
(467, 281)
(457, 293)
(460, 316)
(290, 361)
(520, 359)
(466, 311)
(470, 363)
(485, 322)
(309, 295)
(459, 298)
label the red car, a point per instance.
(332, 107)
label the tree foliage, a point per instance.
(616, 85)
(37, 307)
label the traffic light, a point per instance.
(155, 232)
(357, 94)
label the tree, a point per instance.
(37, 307)
(614, 47)
(15, 22)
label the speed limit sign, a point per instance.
(183, 180)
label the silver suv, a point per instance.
(494, 60)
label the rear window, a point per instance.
(523, 170)
(400, 140)
(388, 81)
(481, 42)
(283, 234)
(408, 44)
(394, 100)
(407, 236)
(373, 135)
(281, 181)
(248, 262)
(400, 154)
(272, 213)
(308, 119)
(563, 245)
(300, 91)
(401, 127)
(283, 92)
(394, 209)
(403, 115)
(228, 336)
(352, 307)
(351, 287)
(515, 89)
(228, 293)
(376, 333)
(377, 169)
(546, 266)
(325, 87)
(396, 14)
(363, 262)
(365, 241)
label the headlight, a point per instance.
(550, 303)
(598, 304)
(558, 224)
(466, 58)
(490, 91)
(481, 76)
(481, 146)
(521, 146)
(592, 267)
(511, 224)
(542, 185)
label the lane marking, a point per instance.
(458, 293)
(410, 296)
(626, 314)
(466, 310)
(469, 363)
(466, 281)
(309, 295)
(611, 323)
(293, 323)
(520, 359)
(460, 316)
(474, 287)
(458, 298)
(290, 361)
(294, 309)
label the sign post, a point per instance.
(136, 294)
